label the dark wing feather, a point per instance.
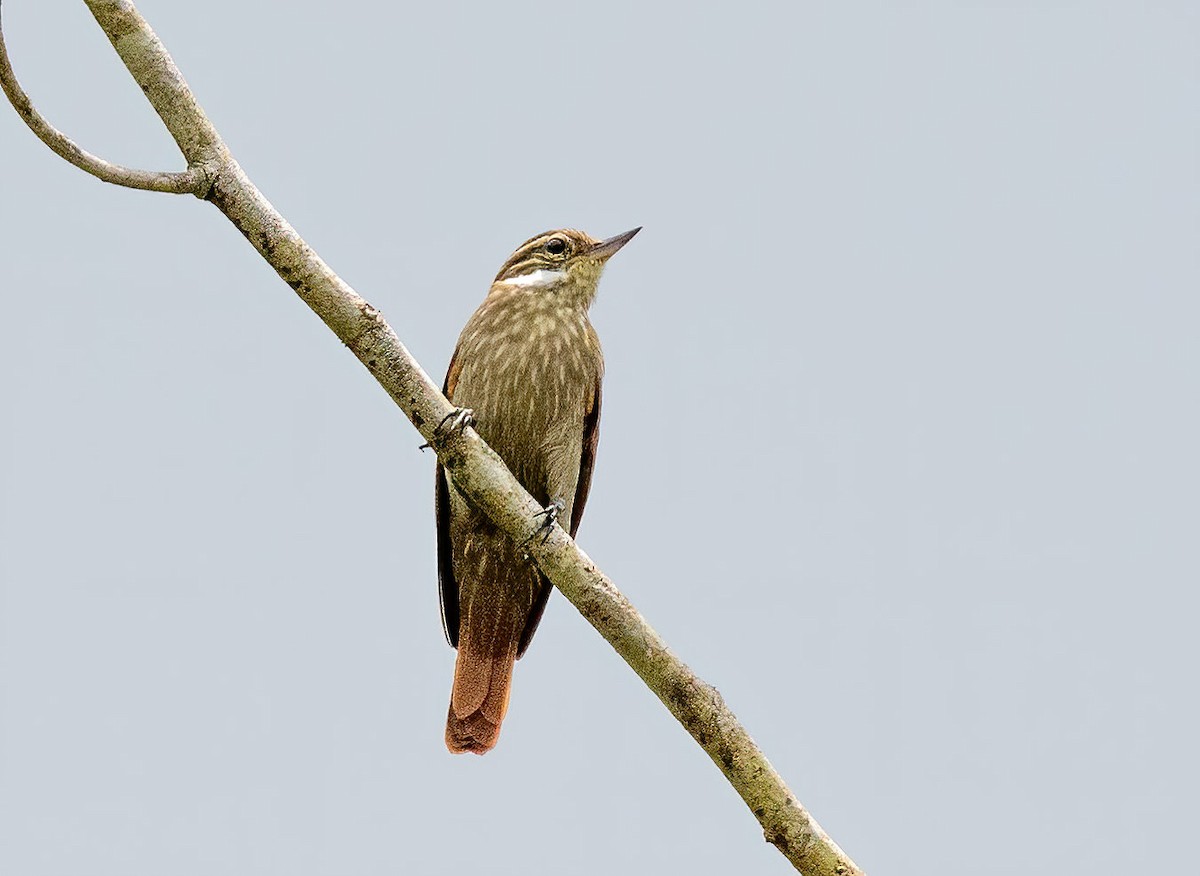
(447, 586)
(587, 461)
(535, 613)
(591, 438)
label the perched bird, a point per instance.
(527, 368)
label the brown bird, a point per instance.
(527, 368)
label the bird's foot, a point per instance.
(550, 512)
(457, 420)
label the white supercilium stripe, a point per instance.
(539, 277)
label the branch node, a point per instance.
(189, 181)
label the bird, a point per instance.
(526, 373)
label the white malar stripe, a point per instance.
(540, 277)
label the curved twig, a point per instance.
(193, 181)
(478, 472)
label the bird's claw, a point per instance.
(457, 420)
(550, 512)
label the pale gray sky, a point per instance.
(899, 442)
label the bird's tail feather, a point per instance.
(482, 681)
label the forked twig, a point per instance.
(192, 181)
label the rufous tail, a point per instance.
(479, 699)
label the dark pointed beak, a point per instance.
(606, 249)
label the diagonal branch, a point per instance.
(478, 472)
(191, 181)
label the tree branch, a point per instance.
(478, 472)
(191, 181)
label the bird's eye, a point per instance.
(556, 246)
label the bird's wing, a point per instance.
(447, 586)
(587, 461)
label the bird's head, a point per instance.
(565, 263)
